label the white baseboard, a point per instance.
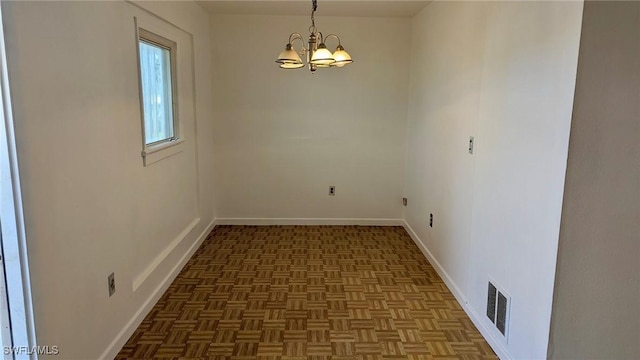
(308, 221)
(496, 345)
(139, 280)
(122, 337)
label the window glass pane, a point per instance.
(155, 68)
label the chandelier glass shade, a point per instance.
(316, 52)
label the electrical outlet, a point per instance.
(430, 220)
(332, 190)
(404, 201)
(111, 281)
(471, 140)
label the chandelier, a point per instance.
(317, 54)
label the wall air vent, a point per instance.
(491, 302)
(498, 303)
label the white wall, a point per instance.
(503, 73)
(282, 137)
(443, 105)
(596, 312)
(91, 207)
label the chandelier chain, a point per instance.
(314, 7)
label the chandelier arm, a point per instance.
(334, 35)
(294, 37)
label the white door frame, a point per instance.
(14, 245)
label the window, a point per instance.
(157, 60)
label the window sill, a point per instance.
(155, 153)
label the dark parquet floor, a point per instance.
(307, 292)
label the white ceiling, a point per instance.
(364, 8)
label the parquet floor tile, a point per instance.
(307, 292)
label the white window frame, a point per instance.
(162, 149)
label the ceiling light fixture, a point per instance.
(318, 56)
